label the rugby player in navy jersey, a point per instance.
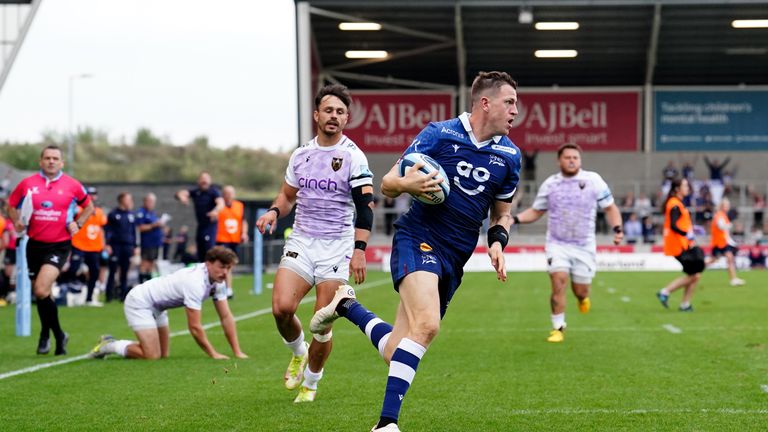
(433, 242)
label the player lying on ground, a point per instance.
(146, 309)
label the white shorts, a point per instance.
(143, 318)
(580, 263)
(317, 260)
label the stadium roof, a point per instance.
(619, 43)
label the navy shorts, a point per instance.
(417, 252)
(722, 251)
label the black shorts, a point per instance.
(722, 251)
(10, 257)
(150, 253)
(692, 260)
(39, 253)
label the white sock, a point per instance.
(119, 347)
(664, 291)
(297, 346)
(558, 321)
(311, 378)
(684, 305)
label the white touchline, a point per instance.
(580, 411)
(672, 329)
(249, 315)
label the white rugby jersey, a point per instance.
(325, 177)
(572, 205)
(188, 287)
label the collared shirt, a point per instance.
(54, 203)
(154, 237)
(187, 287)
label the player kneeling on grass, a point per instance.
(146, 309)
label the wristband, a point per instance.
(617, 229)
(359, 244)
(516, 220)
(275, 209)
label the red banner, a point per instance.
(597, 121)
(387, 121)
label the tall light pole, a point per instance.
(71, 143)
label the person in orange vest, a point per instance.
(233, 228)
(8, 235)
(680, 243)
(721, 241)
(87, 246)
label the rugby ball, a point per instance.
(430, 165)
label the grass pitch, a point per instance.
(623, 366)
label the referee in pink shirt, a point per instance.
(55, 197)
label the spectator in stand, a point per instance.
(529, 165)
(167, 242)
(389, 214)
(758, 204)
(688, 170)
(643, 205)
(181, 240)
(670, 172)
(649, 230)
(627, 205)
(716, 168)
(633, 229)
(756, 257)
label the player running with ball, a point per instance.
(433, 242)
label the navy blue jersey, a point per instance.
(121, 228)
(154, 237)
(478, 176)
(204, 201)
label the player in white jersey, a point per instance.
(329, 181)
(571, 197)
(146, 309)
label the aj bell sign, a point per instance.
(387, 122)
(597, 121)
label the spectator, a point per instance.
(529, 165)
(716, 168)
(688, 169)
(167, 242)
(643, 205)
(181, 240)
(670, 172)
(649, 230)
(633, 229)
(756, 257)
(389, 214)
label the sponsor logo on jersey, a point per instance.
(495, 160)
(425, 247)
(504, 148)
(336, 163)
(322, 184)
(457, 134)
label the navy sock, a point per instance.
(375, 328)
(402, 370)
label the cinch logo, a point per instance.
(46, 204)
(324, 184)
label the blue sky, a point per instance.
(183, 68)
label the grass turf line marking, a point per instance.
(249, 315)
(579, 411)
(672, 329)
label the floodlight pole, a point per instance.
(71, 141)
